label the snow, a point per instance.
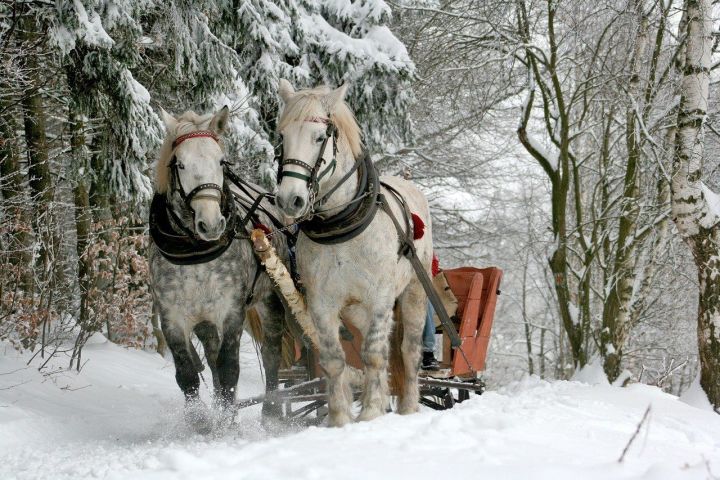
(551, 157)
(712, 200)
(574, 313)
(696, 396)
(92, 28)
(592, 374)
(121, 418)
(379, 44)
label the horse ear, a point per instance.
(169, 121)
(336, 96)
(286, 90)
(219, 122)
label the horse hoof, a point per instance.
(273, 424)
(198, 417)
(408, 409)
(339, 420)
(225, 416)
(368, 414)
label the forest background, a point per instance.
(573, 144)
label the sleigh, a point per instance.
(475, 290)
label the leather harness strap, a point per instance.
(315, 175)
(196, 134)
(356, 216)
(407, 249)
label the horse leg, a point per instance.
(413, 303)
(375, 358)
(228, 358)
(273, 315)
(332, 361)
(208, 335)
(186, 375)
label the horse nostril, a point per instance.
(298, 202)
(202, 228)
(221, 225)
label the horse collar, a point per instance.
(356, 217)
(184, 247)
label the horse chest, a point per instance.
(355, 268)
(203, 292)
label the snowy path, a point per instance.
(121, 418)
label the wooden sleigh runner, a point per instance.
(471, 306)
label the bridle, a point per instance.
(181, 245)
(201, 191)
(315, 175)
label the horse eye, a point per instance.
(180, 166)
(320, 139)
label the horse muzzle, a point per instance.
(209, 221)
(292, 205)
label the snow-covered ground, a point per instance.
(121, 417)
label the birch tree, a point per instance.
(696, 208)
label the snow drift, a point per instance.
(121, 418)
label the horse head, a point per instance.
(191, 171)
(319, 132)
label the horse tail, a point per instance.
(396, 367)
(253, 324)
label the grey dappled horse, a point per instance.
(209, 298)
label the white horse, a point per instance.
(359, 277)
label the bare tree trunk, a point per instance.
(615, 321)
(12, 191)
(41, 184)
(526, 321)
(694, 206)
(83, 215)
(557, 170)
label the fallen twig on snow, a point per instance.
(637, 430)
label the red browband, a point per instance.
(199, 133)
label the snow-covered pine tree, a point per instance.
(98, 45)
(349, 41)
(312, 43)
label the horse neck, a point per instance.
(347, 190)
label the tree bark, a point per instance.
(558, 172)
(83, 215)
(693, 204)
(41, 183)
(616, 311)
(12, 190)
